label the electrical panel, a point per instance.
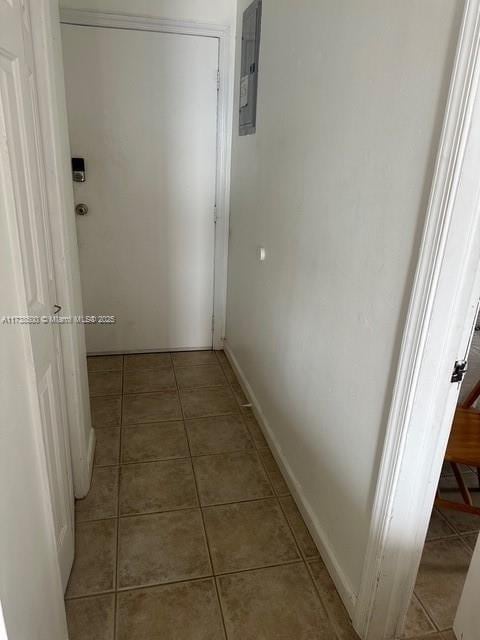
(249, 68)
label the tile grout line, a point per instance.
(211, 576)
(206, 506)
(427, 615)
(207, 543)
(306, 561)
(319, 595)
(465, 543)
(176, 458)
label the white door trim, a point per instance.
(224, 128)
(437, 332)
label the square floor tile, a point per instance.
(274, 473)
(187, 358)
(160, 548)
(148, 380)
(101, 500)
(205, 375)
(91, 618)
(417, 622)
(217, 434)
(273, 604)
(94, 566)
(105, 383)
(440, 579)
(299, 528)
(248, 535)
(106, 411)
(337, 614)
(231, 477)
(439, 527)
(254, 428)
(151, 407)
(147, 361)
(157, 486)
(105, 363)
(211, 401)
(184, 611)
(107, 447)
(156, 441)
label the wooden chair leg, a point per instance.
(467, 498)
(441, 503)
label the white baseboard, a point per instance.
(344, 588)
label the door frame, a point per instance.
(220, 213)
(437, 332)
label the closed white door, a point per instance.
(23, 203)
(142, 110)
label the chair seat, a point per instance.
(464, 443)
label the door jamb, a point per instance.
(220, 213)
(437, 332)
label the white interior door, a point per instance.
(142, 110)
(23, 203)
(467, 620)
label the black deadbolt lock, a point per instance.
(78, 169)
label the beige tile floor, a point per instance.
(189, 531)
(446, 556)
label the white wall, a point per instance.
(213, 11)
(334, 184)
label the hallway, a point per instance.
(303, 253)
(189, 530)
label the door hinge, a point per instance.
(213, 323)
(215, 215)
(459, 370)
(218, 79)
